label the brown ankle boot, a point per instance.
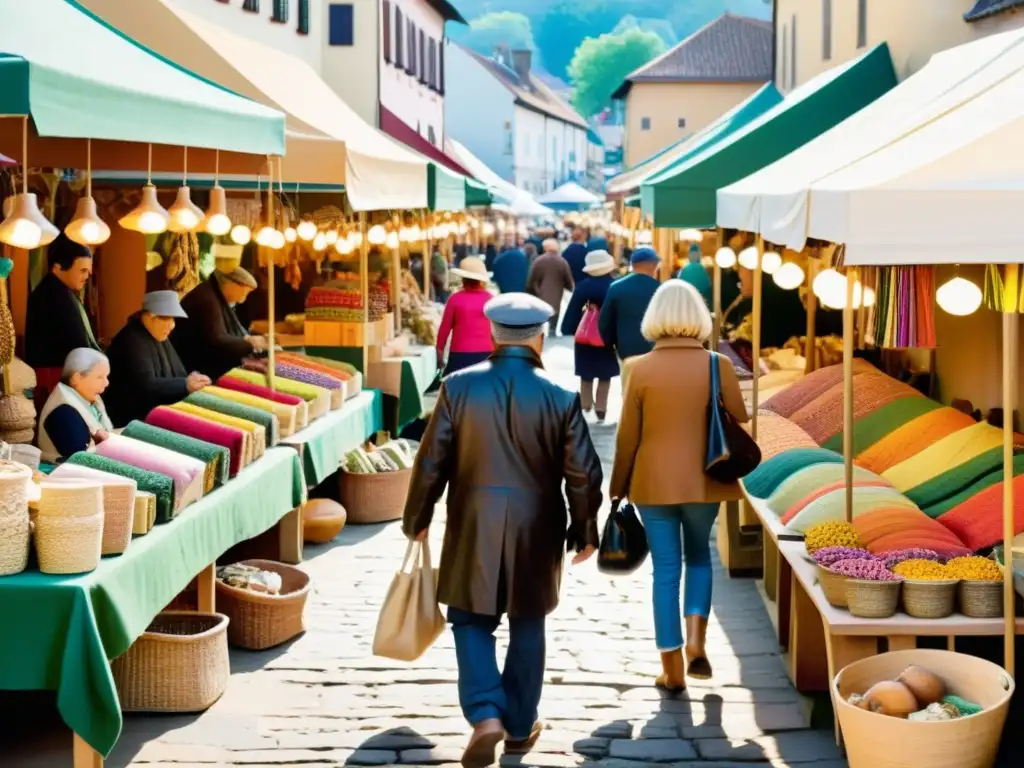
(672, 677)
(697, 664)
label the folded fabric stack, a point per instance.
(291, 419)
(335, 303)
(252, 409)
(206, 431)
(318, 399)
(216, 458)
(160, 485)
(297, 373)
(347, 373)
(255, 436)
(186, 472)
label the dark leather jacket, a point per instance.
(503, 438)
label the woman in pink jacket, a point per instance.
(464, 319)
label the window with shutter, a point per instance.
(386, 30)
(399, 38)
(423, 57)
(432, 65)
(410, 65)
(303, 26)
(253, 6)
(280, 12)
(341, 24)
(440, 68)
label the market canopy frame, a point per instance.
(684, 195)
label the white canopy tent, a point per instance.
(570, 194)
(777, 200)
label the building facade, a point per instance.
(513, 122)
(384, 58)
(812, 36)
(690, 86)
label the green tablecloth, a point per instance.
(327, 439)
(60, 631)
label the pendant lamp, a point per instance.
(320, 242)
(290, 235)
(24, 225)
(391, 241)
(344, 246)
(241, 234)
(725, 258)
(377, 235)
(748, 258)
(148, 217)
(87, 228)
(332, 236)
(217, 221)
(789, 276)
(306, 230)
(185, 216)
(959, 297)
(770, 262)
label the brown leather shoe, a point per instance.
(522, 746)
(697, 665)
(672, 678)
(480, 751)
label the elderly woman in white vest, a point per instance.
(74, 418)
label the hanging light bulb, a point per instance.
(290, 235)
(241, 234)
(691, 235)
(87, 228)
(344, 246)
(266, 236)
(830, 288)
(19, 228)
(320, 242)
(869, 297)
(488, 229)
(217, 222)
(185, 216)
(278, 240)
(377, 235)
(770, 262)
(332, 236)
(725, 258)
(959, 297)
(148, 217)
(644, 237)
(392, 240)
(356, 237)
(748, 258)
(306, 230)
(788, 276)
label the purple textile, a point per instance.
(6, 162)
(297, 373)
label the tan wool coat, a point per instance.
(661, 445)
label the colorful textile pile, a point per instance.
(291, 419)
(161, 486)
(995, 477)
(303, 375)
(216, 458)
(829, 504)
(341, 374)
(868, 429)
(904, 314)
(955, 479)
(317, 398)
(942, 456)
(978, 521)
(807, 480)
(213, 399)
(891, 528)
(186, 472)
(770, 474)
(776, 434)
(255, 435)
(911, 437)
(206, 431)
(743, 371)
(336, 304)
(813, 385)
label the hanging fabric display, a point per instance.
(1003, 290)
(905, 312)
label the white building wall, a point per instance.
(352, 70)
(480, 113)
(533, 151)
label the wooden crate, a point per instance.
(326, 333)
(740, 548)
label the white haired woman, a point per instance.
(660, 454)
(74, 418)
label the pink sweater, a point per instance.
(464, 321)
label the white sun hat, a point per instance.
(472, 268)
(599, 263)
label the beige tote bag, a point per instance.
(410, 620)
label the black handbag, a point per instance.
(623, 543)
(732, 452)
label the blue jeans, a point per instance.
(512, 695)
(675, 532)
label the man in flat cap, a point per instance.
(212, 340)
(503, 439)
(145, 370)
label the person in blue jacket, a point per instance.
(510, 270)
(624, 308)
(576, 254)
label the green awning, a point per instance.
(446, 189)
(684, 195)
(477, 194)
(78, 78)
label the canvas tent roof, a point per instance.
(569, 194)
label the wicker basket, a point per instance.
(68, 545)
(373, 498)
(69, 498)
(260, 620)
(834, 587)
(14, 479)
(929, 599)
(872, 599)
(981, 599)
(353, 386)
(118, 516)
(15, 537)
(878, 741)
(180, 664)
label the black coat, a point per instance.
(144, 373)
(53, 324)
(503, 438)
(212, 339)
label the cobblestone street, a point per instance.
(324, 700)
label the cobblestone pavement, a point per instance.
(325, 700)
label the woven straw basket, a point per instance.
(69, 498)
(872, 599)
(373, 498)
(69, 544)
(981, 599)
(834, 587)
(354, 386)
(15, 536)
(260, 620)
(17, 413)
(929, 599)
(118, 516)
(180, 664)
(14, 479)
(880, 741)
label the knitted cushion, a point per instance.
(256, 439)
(889, 528)
(186, 472)
(770, 474)
(216, 458)
(209, 398)
(874, 426)
(319, 399)
(161, 486)
(978, 521)
(823, 416)
(831, 506)
(801, 504)
(793, 398)
(942, 456)
(776, 434)
(911, 438)
(806, 481)
(208, 432)
(956, 479)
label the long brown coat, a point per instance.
(549, 278)
(661, 446)
(504, 438)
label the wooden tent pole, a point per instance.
(755, 355)
(364, 286)
(271, 293)
(428, 254)
(848, 334)
(716, 327)
(1010, 326)
(811, 341)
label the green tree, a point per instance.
(489, 31)
(602, 63)
(567, 24)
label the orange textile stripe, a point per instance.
(978, 522)
(797, 508)
(889, 528)
(912, 438)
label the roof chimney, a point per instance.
(521, 62)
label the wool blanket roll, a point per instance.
(978, 521)
(266, 393)
(913, 437)
(160, 485)
(831, 506)
(318, 398)
(814, 384)
(274, 417)
(215, 457)
(206, 431)
(888, 528)
(303, 375)
(776, 434)
(770, 474)
(873, 427)
(187, 473)
(256, 439)
(805, 481)
(944, 455)
(313, 365)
